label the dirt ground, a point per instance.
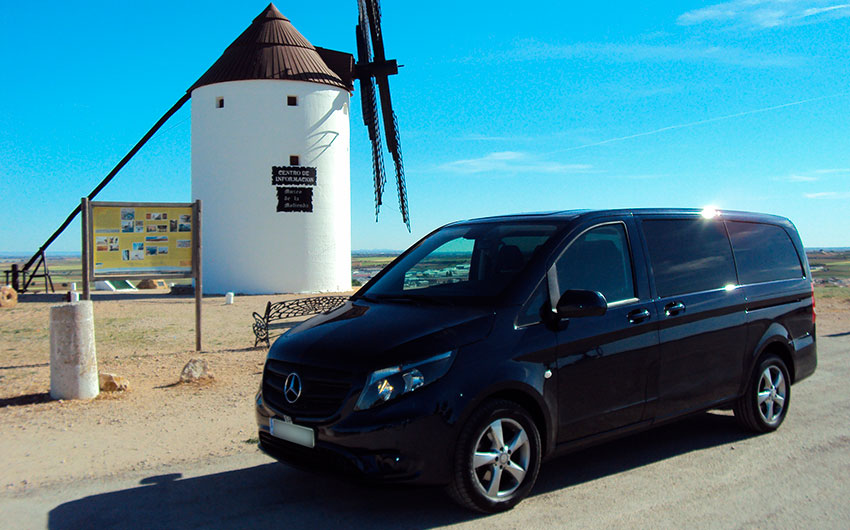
(148, 338)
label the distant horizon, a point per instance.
(358, 252)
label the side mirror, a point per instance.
(579, 303)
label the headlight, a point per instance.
(389, 383)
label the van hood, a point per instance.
(362, 336)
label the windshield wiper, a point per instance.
(367, 298)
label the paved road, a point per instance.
(702, 472)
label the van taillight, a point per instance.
(814, 312)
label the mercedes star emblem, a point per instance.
(292, 387)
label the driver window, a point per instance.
(598, 260)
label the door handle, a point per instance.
(638, 315)
(674, 308)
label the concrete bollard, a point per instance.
(73, 359)
(228, 298)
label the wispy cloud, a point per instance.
(828, 195)
(534, 50)
(831, 171)
(702, 122)
(510, 162)
(763, 14)
(799, 178)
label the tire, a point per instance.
(765, 402)
(496, 459)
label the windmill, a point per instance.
(373, 68)
(233, 152)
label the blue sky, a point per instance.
(503, 107)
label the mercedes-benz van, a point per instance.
(493, 344)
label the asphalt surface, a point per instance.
(703, 471)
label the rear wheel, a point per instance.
(764, 404)
(497, 458)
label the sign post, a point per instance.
(135, 241)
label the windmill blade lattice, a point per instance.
(369, 105)
(399, 178)
(372, 68)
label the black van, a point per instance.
(495, 343)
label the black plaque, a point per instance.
(294, 199)
(293, 176)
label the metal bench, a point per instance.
(289, 309)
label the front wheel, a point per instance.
(764, 404)
(497, 458)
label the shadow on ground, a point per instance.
(274, 495)
(60, 298)
(26, 399)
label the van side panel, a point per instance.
(780, 308)
(782, 312)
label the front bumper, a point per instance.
(404, 441)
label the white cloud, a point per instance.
(830, 171)
(828, 195)
(763, 14)
(533, 50)
(817, 11)
(799, 178)
(510, 162)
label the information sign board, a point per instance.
(142, 239)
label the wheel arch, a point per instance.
(775, 340)
(782, 351)
(528, 400)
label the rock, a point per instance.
(8, 297)
(113, 383)
(182, 289)
(151, 284)
(196, 370)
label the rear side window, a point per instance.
(689, 255)
(763, 252)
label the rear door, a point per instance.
(701, 311)
(604, 363)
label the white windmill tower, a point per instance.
(270, 161)
(270, 155)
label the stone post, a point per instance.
(73, 359)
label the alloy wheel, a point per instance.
(772, 390)
(501, 458)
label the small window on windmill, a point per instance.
(292, 101)
(219, 103)
(293, 160)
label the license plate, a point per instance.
(292, 433)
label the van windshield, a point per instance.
(473, 262)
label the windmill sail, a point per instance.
(369, 104)
(373, 68)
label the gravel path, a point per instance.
(166, 455)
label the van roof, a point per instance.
(570, 215)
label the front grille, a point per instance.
(323, 391)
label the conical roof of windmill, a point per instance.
(271, 48)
